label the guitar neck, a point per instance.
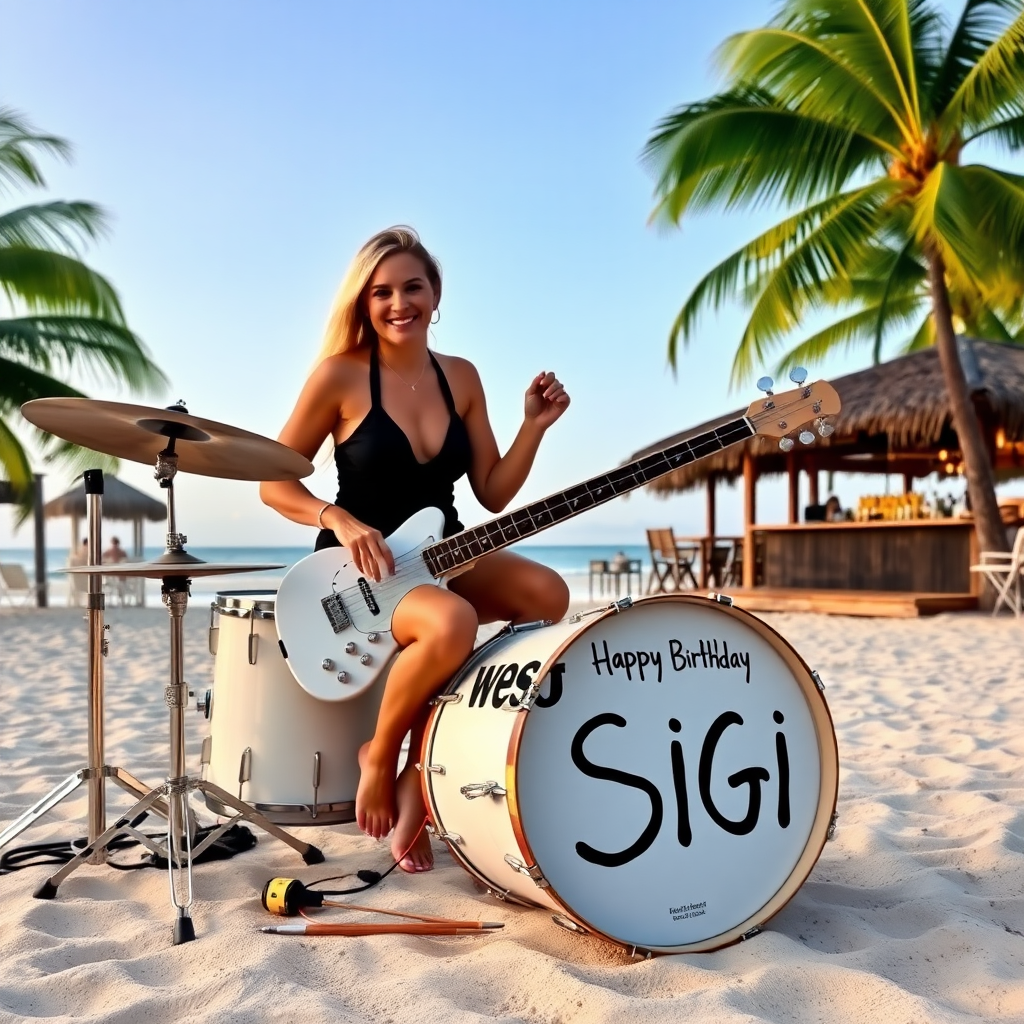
(451, 554)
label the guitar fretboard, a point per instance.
(456, 551)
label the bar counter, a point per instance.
(931, 556)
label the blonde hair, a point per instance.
(349, 326)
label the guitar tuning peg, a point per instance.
(825, 429)
(806, 437)
(786, 444)
(798, 375)
(765, 384)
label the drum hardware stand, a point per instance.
(97, 771)
(171, 798)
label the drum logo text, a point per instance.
(497, 682)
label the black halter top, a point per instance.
(380, 481)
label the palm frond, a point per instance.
(851, 332)
(14, 461)
(990, 89)
(742, 147)
(63, 342)
(924, 336)
(811, 76)
(17, 140)
(23, 384)
(46, 280)
(58, 225)
(1008, 131)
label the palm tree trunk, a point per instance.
(977, 467)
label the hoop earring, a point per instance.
(438, 320)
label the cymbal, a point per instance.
(140, 432)
(158, 570)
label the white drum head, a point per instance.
(681, 785)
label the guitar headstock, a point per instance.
(779, 415)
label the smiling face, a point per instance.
(400, 300)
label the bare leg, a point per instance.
(410, 844)
(507, 587)
(437, 629)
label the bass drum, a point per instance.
(289, 755)
(664, 777)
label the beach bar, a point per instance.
(894, 554)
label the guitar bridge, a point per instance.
(335, 611)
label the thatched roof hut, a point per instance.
(895, 419)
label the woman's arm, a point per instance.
(496, 480)
(314, 418)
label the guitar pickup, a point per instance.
(335, 612)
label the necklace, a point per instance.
(399, 376)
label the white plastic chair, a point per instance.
(15, 583)
(1002, 569)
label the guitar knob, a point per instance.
(372, 637)
(365, 659)
(350, 648)
(798, 375)
(765, 384)
(825, 429)
(342, 677)
(327, 665)
(786, 444)
(806, 437)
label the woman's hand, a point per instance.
(546, 400)
(371, 554)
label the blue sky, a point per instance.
(246, 150)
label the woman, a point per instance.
(405, 425)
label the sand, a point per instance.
(914, 913)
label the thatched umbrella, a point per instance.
(120, 501)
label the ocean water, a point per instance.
(571, 561)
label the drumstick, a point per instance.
(400, 913)
(379, 929)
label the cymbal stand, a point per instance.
(180, 849)
(97, 771)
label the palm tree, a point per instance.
(65, 315)
(855, 115)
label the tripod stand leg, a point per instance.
(49, 888)
(180, 826)
(309, 853)
(130, 784)
(37, 810)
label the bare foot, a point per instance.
(375, 797)
(410, 845)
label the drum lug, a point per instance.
(449, 837)
(207, 751)
(214, 637)
(437, 769)
(817, 681)
(476, 789)
(526, 626)
(244, 769)
(530, 870)
(616, 606)
(316, 783)
(205, 706)
(570, 925)
(254, 641)
(831, 834)
(639, 953)
(756, 930)
(721, 598)
(445, 698)
(499, 894)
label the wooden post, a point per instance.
(812, 487)
(711, 505)
(749, 517)
(40, 538)
(794, 490)
(908, 483)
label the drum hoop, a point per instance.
(828, 754)
(243, 604)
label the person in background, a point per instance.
(833, 510)
(115, 553)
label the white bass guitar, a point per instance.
(334, 623)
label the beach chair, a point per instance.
(1002, 570)
(670, 562)
(14, 582)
